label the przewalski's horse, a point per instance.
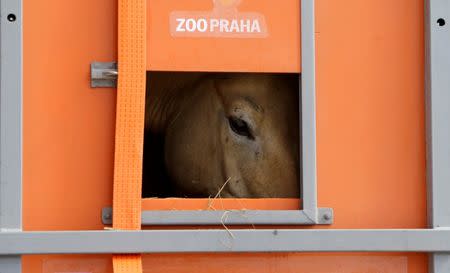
(234, 132)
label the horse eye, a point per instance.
(240, 127)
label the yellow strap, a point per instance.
(127, 263)
(129, 126)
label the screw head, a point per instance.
(326, 217)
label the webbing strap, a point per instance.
(129, 126)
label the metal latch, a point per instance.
(104, 74)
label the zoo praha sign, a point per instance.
(223, 21)
(223, 35)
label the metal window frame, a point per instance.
(309, 214)
(434, 240)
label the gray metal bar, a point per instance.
(10, 116)
(308, 111)
(224, 240)
(437, 52)
(438, 105)
(10, 264)
(226, 217)
(10, 125)
(439, 263)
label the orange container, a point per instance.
(370, 118)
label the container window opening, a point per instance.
(225, 135)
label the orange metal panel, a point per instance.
(370, 112)
(242, 262)
(220, 204)
(278, 52)
(68, 142)
(370, 125)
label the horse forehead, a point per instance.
(256, 90)
(248, 83)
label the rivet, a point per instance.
(11, 17)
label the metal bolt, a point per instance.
(326, 217)
(110, 74)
